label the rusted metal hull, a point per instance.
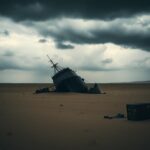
(68, 81)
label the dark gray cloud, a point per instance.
(12, 64)
(4, 32)
(60, 45)
(124, 32)
(9, 53)
(42, 40)
(9, 64)
(44, 9)
(107, 61)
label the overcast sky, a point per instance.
(104, 41)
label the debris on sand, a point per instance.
(42, 90)
(117, 116)
(95, 89)
(135, 112)
(107, 117)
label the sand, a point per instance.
(71, 121)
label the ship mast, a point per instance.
(54, 65)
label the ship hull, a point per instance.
(68, 81)
(72, 84)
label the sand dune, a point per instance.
(71, 121)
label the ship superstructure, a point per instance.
(66, 80)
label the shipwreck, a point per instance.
(67, 80)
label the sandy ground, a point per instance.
(71, 121)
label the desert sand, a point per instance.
(71, 121)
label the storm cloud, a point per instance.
(118, 22)
(7, 64)
(61, 45)
(132, 32)
(4, 32)
(88, 9)
(8, 53)
(42, 40)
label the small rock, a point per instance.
(61, 105)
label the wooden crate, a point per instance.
(140, 111)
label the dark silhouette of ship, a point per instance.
(66, 80)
